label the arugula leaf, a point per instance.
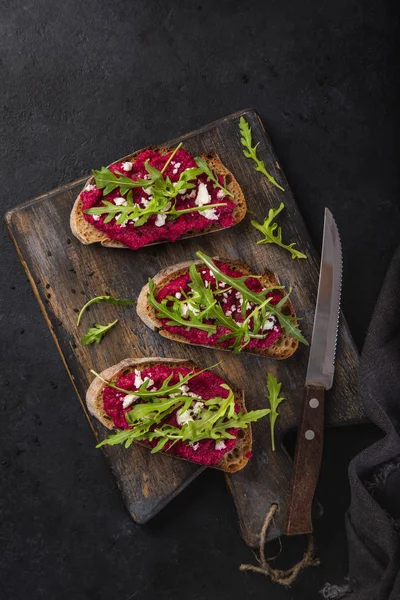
(96, 333)
(274, 389)
(163, 193)
(202, 164)
(251, 151)
(109, 299)
(273, 233)
(287, 322)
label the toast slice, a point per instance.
(284, 347)
(234, 460)
(88, 234)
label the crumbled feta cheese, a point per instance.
(178, 295)
(269, 324)
(228, 313)
(96, 217)
(222, 285)
(138, 379)
(145, 202)
(184, 388)
(233, 308)
(197, 407)
(195, 446)
(184, 309)
(127, 166)
(210, 214)
(160, 220)
(206, 283)
(220, 194)
(148, 190)
(128, 400)
(193, 395)
(203, 197)
(185, 417)
(90, 187)
(177, 165)
(211, 274)
(220, 445)
(225, 295)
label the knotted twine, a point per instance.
(281, 576)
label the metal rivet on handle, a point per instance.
(309, 435)
(314, 403)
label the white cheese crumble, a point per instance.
(206, 283)
(128, 400)
(220, 194)
(210, 214)
(197, 407)
(96, 217)
(184, 388)
(203, 197)
(195, 446)
(148, 190)
(138, 379)
(269, 324)
(178, 295)
(120, 201)
(160, 220)
(90, 187)
(228, 313)
(145, 202)
(127, 166)
(220, 445)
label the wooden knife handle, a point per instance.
(307, 461)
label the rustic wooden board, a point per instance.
(64, 274)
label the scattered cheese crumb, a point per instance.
(90, 187)
(269, 324)
(148, 190)
(160, 220)
(178, 295)
(96, 217)
(120, 201)
(203, 197)
(220, 194)
(127, 166)
(210, 214)
(138, 379)
(195, 446)
(128, 400)
(184, 388)
(220, 445)
(228, 313)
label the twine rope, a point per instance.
(281, 576)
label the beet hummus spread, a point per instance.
(204, 386)
(231, 303)
(160, 227)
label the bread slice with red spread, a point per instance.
(89, 228)
(173, 281)
(108, 406)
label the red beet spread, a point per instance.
(206, 385)
(196, 336)
(137, 237)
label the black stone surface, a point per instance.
(85, 82)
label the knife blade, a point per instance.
(319, 378)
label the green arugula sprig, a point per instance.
(251, 152)
(162, 192)
(98, 299)
(212, 421)
(273, 233)
(202, 164)
(201, 310)
(274, 389)
(96, 333)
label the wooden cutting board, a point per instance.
(65, 274)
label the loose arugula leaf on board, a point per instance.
(109, 299)
(251, 151)
(96, 333)
(273, 233)
(274, 389)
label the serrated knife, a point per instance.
(319, 378)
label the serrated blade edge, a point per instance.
(321, 362)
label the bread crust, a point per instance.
(233, 461)
(282, 349)
(88, 234)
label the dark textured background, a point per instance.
(85, 82)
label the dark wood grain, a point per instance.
(307, 461)
(64, 274)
